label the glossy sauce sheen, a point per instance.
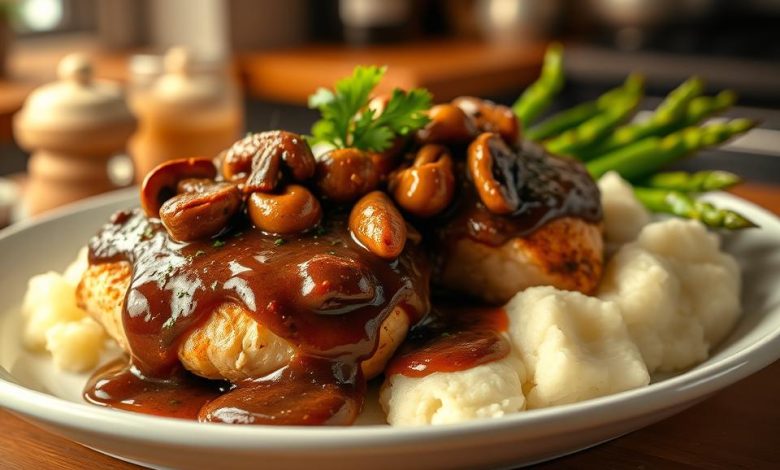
(451, 339)
(549, 187)
(321, 292)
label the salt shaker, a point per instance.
(72, 127)
(184, 113)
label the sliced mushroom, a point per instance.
(259, 159)
(491, 117)
(448, 125)
(295, 210)
(492, 166)
(162, 182)
(428, 186)
(378, 225)
(198, 215)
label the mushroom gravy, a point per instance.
(548, 187)
(322, 292)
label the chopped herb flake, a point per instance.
(280, 241)
(148, 232)
(218, 243)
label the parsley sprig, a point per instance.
(348, 122)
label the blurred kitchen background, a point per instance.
(248, 65)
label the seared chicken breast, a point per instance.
(565, 253)
(230, 344)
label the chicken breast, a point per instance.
(565, 253)
(230, 344)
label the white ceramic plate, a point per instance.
(31, 387)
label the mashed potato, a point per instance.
(49, 300)
(56, 324)
(574, 347)
(567, 347)
(669, 294)
(486, 391)
(75, 346)
(624, 215)
(678, 293)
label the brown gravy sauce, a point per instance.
(452, 338)
(549, 186)
(321, 292)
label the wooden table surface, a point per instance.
(738, 427)
(446, 68)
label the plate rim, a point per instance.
(697, 382)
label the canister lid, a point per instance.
(182, 87)
(76, 101)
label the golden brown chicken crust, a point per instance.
(566, 253)
(230, 344)
(569, 251)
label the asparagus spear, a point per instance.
(562, 121)
(666, 118)
(642, 158)
(575, 140)
(673, 107)
(698, 182)
(538, 96)
(575, 116)
(703, 106)
(683, 205)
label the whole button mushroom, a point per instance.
(344, 175)
(448, 125)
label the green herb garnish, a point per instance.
(348, 122)
(280, 241)
(218, 243)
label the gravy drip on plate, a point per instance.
(320, 291)
(549, 187)
(452, 338)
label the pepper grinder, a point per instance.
(184, 113)
(72, 127)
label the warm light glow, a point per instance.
(41, 15)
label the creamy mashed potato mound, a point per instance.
(668, 295)
(75, 346)
(486, 391)
(56, 324)
(624, 215)
(574, 347)
(677, 291)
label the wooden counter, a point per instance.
(447, 68)
(736, 428)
